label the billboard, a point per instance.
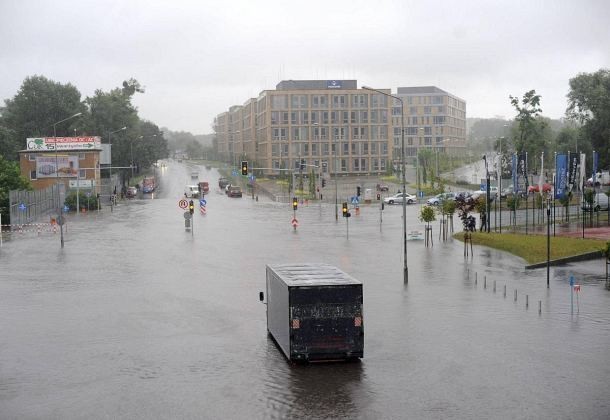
(63, 143)
(47, 166)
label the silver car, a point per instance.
(398, 198)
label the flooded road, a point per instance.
(136, 318)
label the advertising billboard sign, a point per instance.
(47, 166)
(63, 143)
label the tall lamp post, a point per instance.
(404, 187)
(487, 203)
(110, 143)
(59, 216)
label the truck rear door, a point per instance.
(326, 322)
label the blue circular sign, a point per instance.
(22, 207)
(202, 202)
(66, 209)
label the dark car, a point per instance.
(234, 191)
(382, 188)
(222, 183)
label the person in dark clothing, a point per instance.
(483, 221)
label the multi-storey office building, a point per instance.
(433, 119)
(331, 126)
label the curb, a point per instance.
(575, 258)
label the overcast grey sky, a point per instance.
(197, 58)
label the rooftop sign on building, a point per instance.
(333, 84)
(63, 143)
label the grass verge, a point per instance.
(533, 248)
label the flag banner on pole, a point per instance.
(541, 174)
(561, 163)
(521, 184)
(583, 171)
(514, 172)
(595, 164)
(573, 171)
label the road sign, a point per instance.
(234, 172)
(183, 204)
(355, 200)
(66, 209)
(187, 215)
(251, 177)
(202, 209)
(202, 202)
(294, 222)
(22, 207)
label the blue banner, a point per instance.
(595, 163)
(561, 175)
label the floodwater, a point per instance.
(137, 318)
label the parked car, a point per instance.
(382, 187)
(600, 202)
(131, 192)
(234, 191)
(436, 200)
(398, 198)
(478, 194)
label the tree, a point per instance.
(529, 128)
(10, 179)
(589, 103)
(38, 104)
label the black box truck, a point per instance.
(314, 312)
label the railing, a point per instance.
(28, 206)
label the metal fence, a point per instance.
(29, 206)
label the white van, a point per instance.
(600, 202)
(191, 191)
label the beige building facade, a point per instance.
(329, 126)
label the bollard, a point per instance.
(527, 301)
(476, 277)
(484, 282)
(504, 290)
(494, 286)
(539, 307)
(515, 295)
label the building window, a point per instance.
(293, 118)
(345, 148)
(32, 158)
(33, 174)
(373, 148)
(382, 164)
(325, 149)
(427, 110)
(279, 102)
(82, 174)
(375, 165)
(82, 156)
(363, 166)
(343, 165)
(365, 148)
(428, 141)
(314, 149)
(356, 164)
(339, 101)
(364, 117)
(284, 118)
(275, 117)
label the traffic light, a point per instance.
(244, 167)
(345, 212)
(191, 207)
(358, 190)
(323, 183)
(295, 202)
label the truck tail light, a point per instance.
(358, 321)
(296, 324)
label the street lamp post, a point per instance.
(59, 216)
(488, 195)
(110, 169)
(404, 187)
